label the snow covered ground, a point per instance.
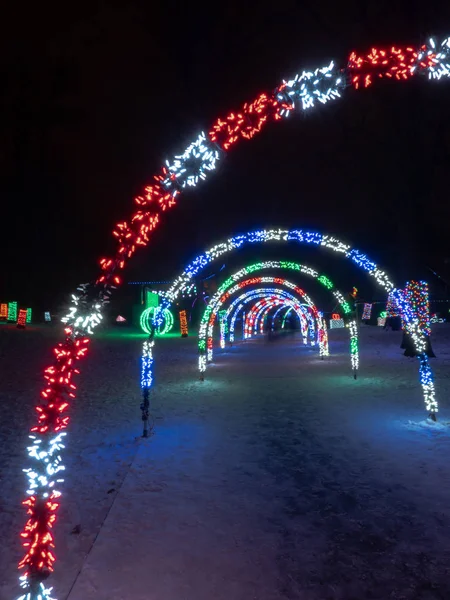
(279, 477)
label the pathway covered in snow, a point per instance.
(279, 477)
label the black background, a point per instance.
(95, 96)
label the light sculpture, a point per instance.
(260, 309)
(232, 284)
(12, 312)
(22, 318)
(3, 312)
(367, 311)
(163, 326)
(205, 343)
(183, 323)
(208, 319)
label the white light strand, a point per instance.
(43, 593)
(193, 165)
(321, 85)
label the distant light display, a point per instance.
(22, 318)
(234, 282)
(29, 314)
(12, 312)
(3, 311)
(183, 323)
(337, 323)
(147, 320)
(367, 312)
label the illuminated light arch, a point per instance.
(277, 235)
(303, 91)
(209, 316)
(255, 317)
(232, 283)
(312, 332)
(241, 302)
(277, 296)
(251, 295)
(205, 336)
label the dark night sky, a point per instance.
(95, 98)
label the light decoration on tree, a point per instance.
(367, 312)
(418, 297)
(391, 308)
(183, 323)
(12, 312)
(305, 91)
(151, 318)
(3, 312)
(22, 318)
(29, 314)
(47, 317)
(414, 328)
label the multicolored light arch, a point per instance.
(302, 92)
(231, 284)
(205, 336)
(254, 319)
(239, 304)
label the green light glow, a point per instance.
(145, 321)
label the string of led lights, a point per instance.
(255, 318)
(418, 296)
(263, 316)
(163, 326)
(232, 284)
(304, 91)
(250, 296)
(262, 312)
(219, 298)
(234, 316)
(413, 327)
(205, 337)
(367, 311)
(270, 294)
